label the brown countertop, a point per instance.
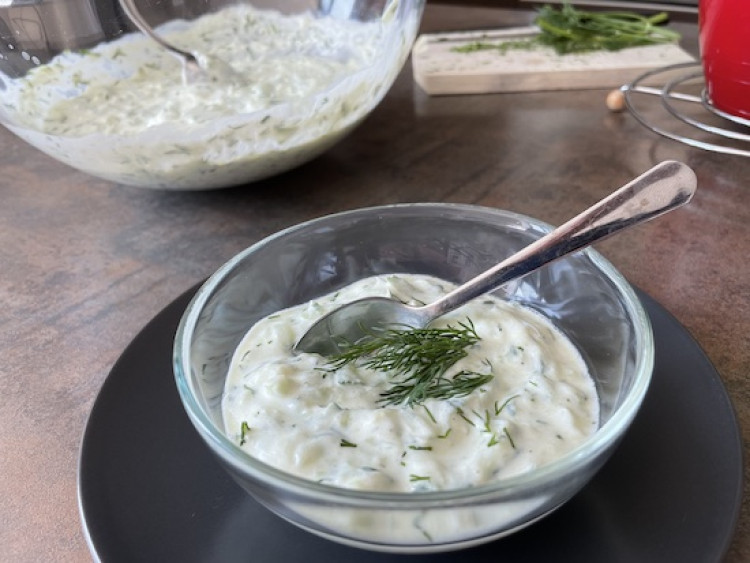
(85, 264)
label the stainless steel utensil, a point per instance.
(659, 190)
(195, 66)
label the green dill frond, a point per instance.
(417, 360)
(567, 29)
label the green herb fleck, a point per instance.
(244, 431)
(414, 478)
(501, 47)
(432, 418)
(347, 444)
(510, 438)
(461, 413)
(78, 80)
(487, 427)
(499, 409)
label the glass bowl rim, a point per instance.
(604, 437)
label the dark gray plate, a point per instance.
(149, 490)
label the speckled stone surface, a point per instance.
(85, 264)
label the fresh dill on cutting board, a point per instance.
(571, 30)
(566, 49)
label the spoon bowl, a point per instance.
(661, 189)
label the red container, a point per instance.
(724, 34)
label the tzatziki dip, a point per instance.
(122, 110)
(517, 397)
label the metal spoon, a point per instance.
(195, 66)
(661, 189)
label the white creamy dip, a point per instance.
(292, 412)
(122, 110)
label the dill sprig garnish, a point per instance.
(417, 359)
(572, 30)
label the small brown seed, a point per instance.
(616, 100)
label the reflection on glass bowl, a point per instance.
(111, 102)
(583, 295)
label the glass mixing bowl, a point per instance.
(583, 295)
(77, 82)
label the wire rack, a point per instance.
(685, 114)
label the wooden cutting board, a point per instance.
(439, 69)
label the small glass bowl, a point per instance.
(79, 83)
(582, 294)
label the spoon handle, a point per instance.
(666, 186)
(131, 11)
